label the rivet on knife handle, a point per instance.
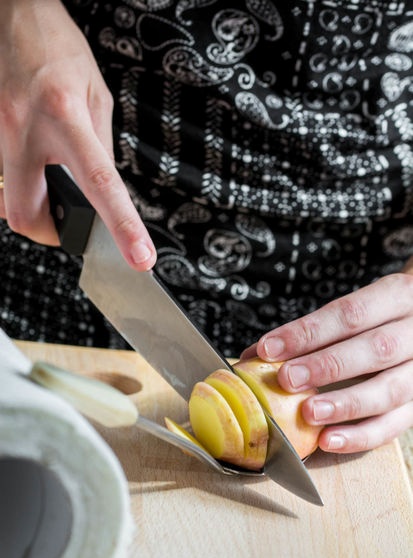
(72, 213)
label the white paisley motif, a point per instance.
(188, 66)
(241, 290)
(127, 46)
(329, 20)
(237, 33)
(175, 248)
(398, 62)
(216, 284)
(246, 77)
(177, 271)
(362, 24)
(168, 33)
(184, 5)
(149, 5)
(188, 213)
(401, 39)
(228, 252)
(266, 11)
(146, 210)
(254, 228)
(393, 86)
(124, 17)
(255, 110)
(400, 242)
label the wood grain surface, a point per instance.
(182, 509)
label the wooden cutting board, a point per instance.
(182, 509)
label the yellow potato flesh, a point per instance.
(248, 413)
(262, 380)
(181, 431)
(214, 423)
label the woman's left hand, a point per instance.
(365, 337)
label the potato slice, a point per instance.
(248, 413)
(214, 423)
(172, 426)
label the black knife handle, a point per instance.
(72, 213)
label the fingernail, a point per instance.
(298, 375)
(274, 346)
(140, 252)
(322, 410)
(336, 441)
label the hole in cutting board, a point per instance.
(33, 505)
(124, 383)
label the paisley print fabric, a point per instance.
(268, 147)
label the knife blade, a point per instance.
(136, 303)
(142, 310)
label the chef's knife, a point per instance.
(147, 316)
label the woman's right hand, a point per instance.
(55, 108)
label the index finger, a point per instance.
(345, 317)
(96, 174)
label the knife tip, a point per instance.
(316, 499)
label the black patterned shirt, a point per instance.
(266, 144)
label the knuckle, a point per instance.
(12, 113)
(352, 408)
(384, 347)
(308, 333)
(102, 179)
(59, 103)
(126, 226)
(396, 392)
(330, 367)
(351, 313)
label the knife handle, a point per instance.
(72, 213)
(96, 400)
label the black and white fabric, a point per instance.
(266, 144)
